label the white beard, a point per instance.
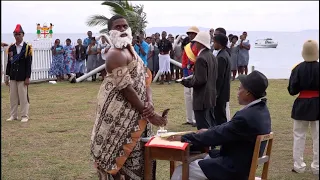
(118, 41)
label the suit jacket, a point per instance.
(20, 69)
(224, 75)
(203, 81)
(81, 52)
(237, 139)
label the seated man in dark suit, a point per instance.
(236, 137)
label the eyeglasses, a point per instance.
(17, 34)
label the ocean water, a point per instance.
(275, 63)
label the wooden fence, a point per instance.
(41, 61)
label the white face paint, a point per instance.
(118, 41)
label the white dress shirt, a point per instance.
(19, 47)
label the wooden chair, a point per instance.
(265, 159)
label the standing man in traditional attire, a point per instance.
(203, 82)
(124, 110)
(18, 74)
(165, 47)
(304, 80)
(189, 56)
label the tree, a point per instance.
(137, 19)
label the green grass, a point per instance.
(54, 144)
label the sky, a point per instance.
(71, 16)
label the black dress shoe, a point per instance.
(292, 170)
(187, 123)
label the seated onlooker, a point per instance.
(236, 137)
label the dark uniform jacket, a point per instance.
(304, 80)
(19, 68)
(204, 81)
(224, 75)
(80, 52)
(237, 139)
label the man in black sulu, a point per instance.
(165, 46)
(304, 80)
(236, 137)
(18, 74)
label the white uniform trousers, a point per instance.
(228, 111)
(189, 103)
(300, 129)
(195, 172)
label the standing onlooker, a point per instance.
(104, 44)
(80, 58)
(57, 65)
(156, 53)
(211, 32)
(244, 51)
(142, 48)
(150, 55)
(19, 72)
(148, 41)
(229, 42)
(172, 66)
(221, 30)
(87, 40)
(189, 55)
(241, 58)
(304, 80)
(234, 49)
(203, 82)
(178, 57)
(165, 46)
(92, 52)
(223, 81)
(69, 58)
(157, 36)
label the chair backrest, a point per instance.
(264, 159)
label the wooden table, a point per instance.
(172, 155)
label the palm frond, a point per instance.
(116, 8)
(96, 20)
(134, 14)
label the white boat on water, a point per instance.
(266, 43)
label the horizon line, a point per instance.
(181, 27)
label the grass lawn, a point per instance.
(54, 144)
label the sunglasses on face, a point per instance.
(17, 34)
